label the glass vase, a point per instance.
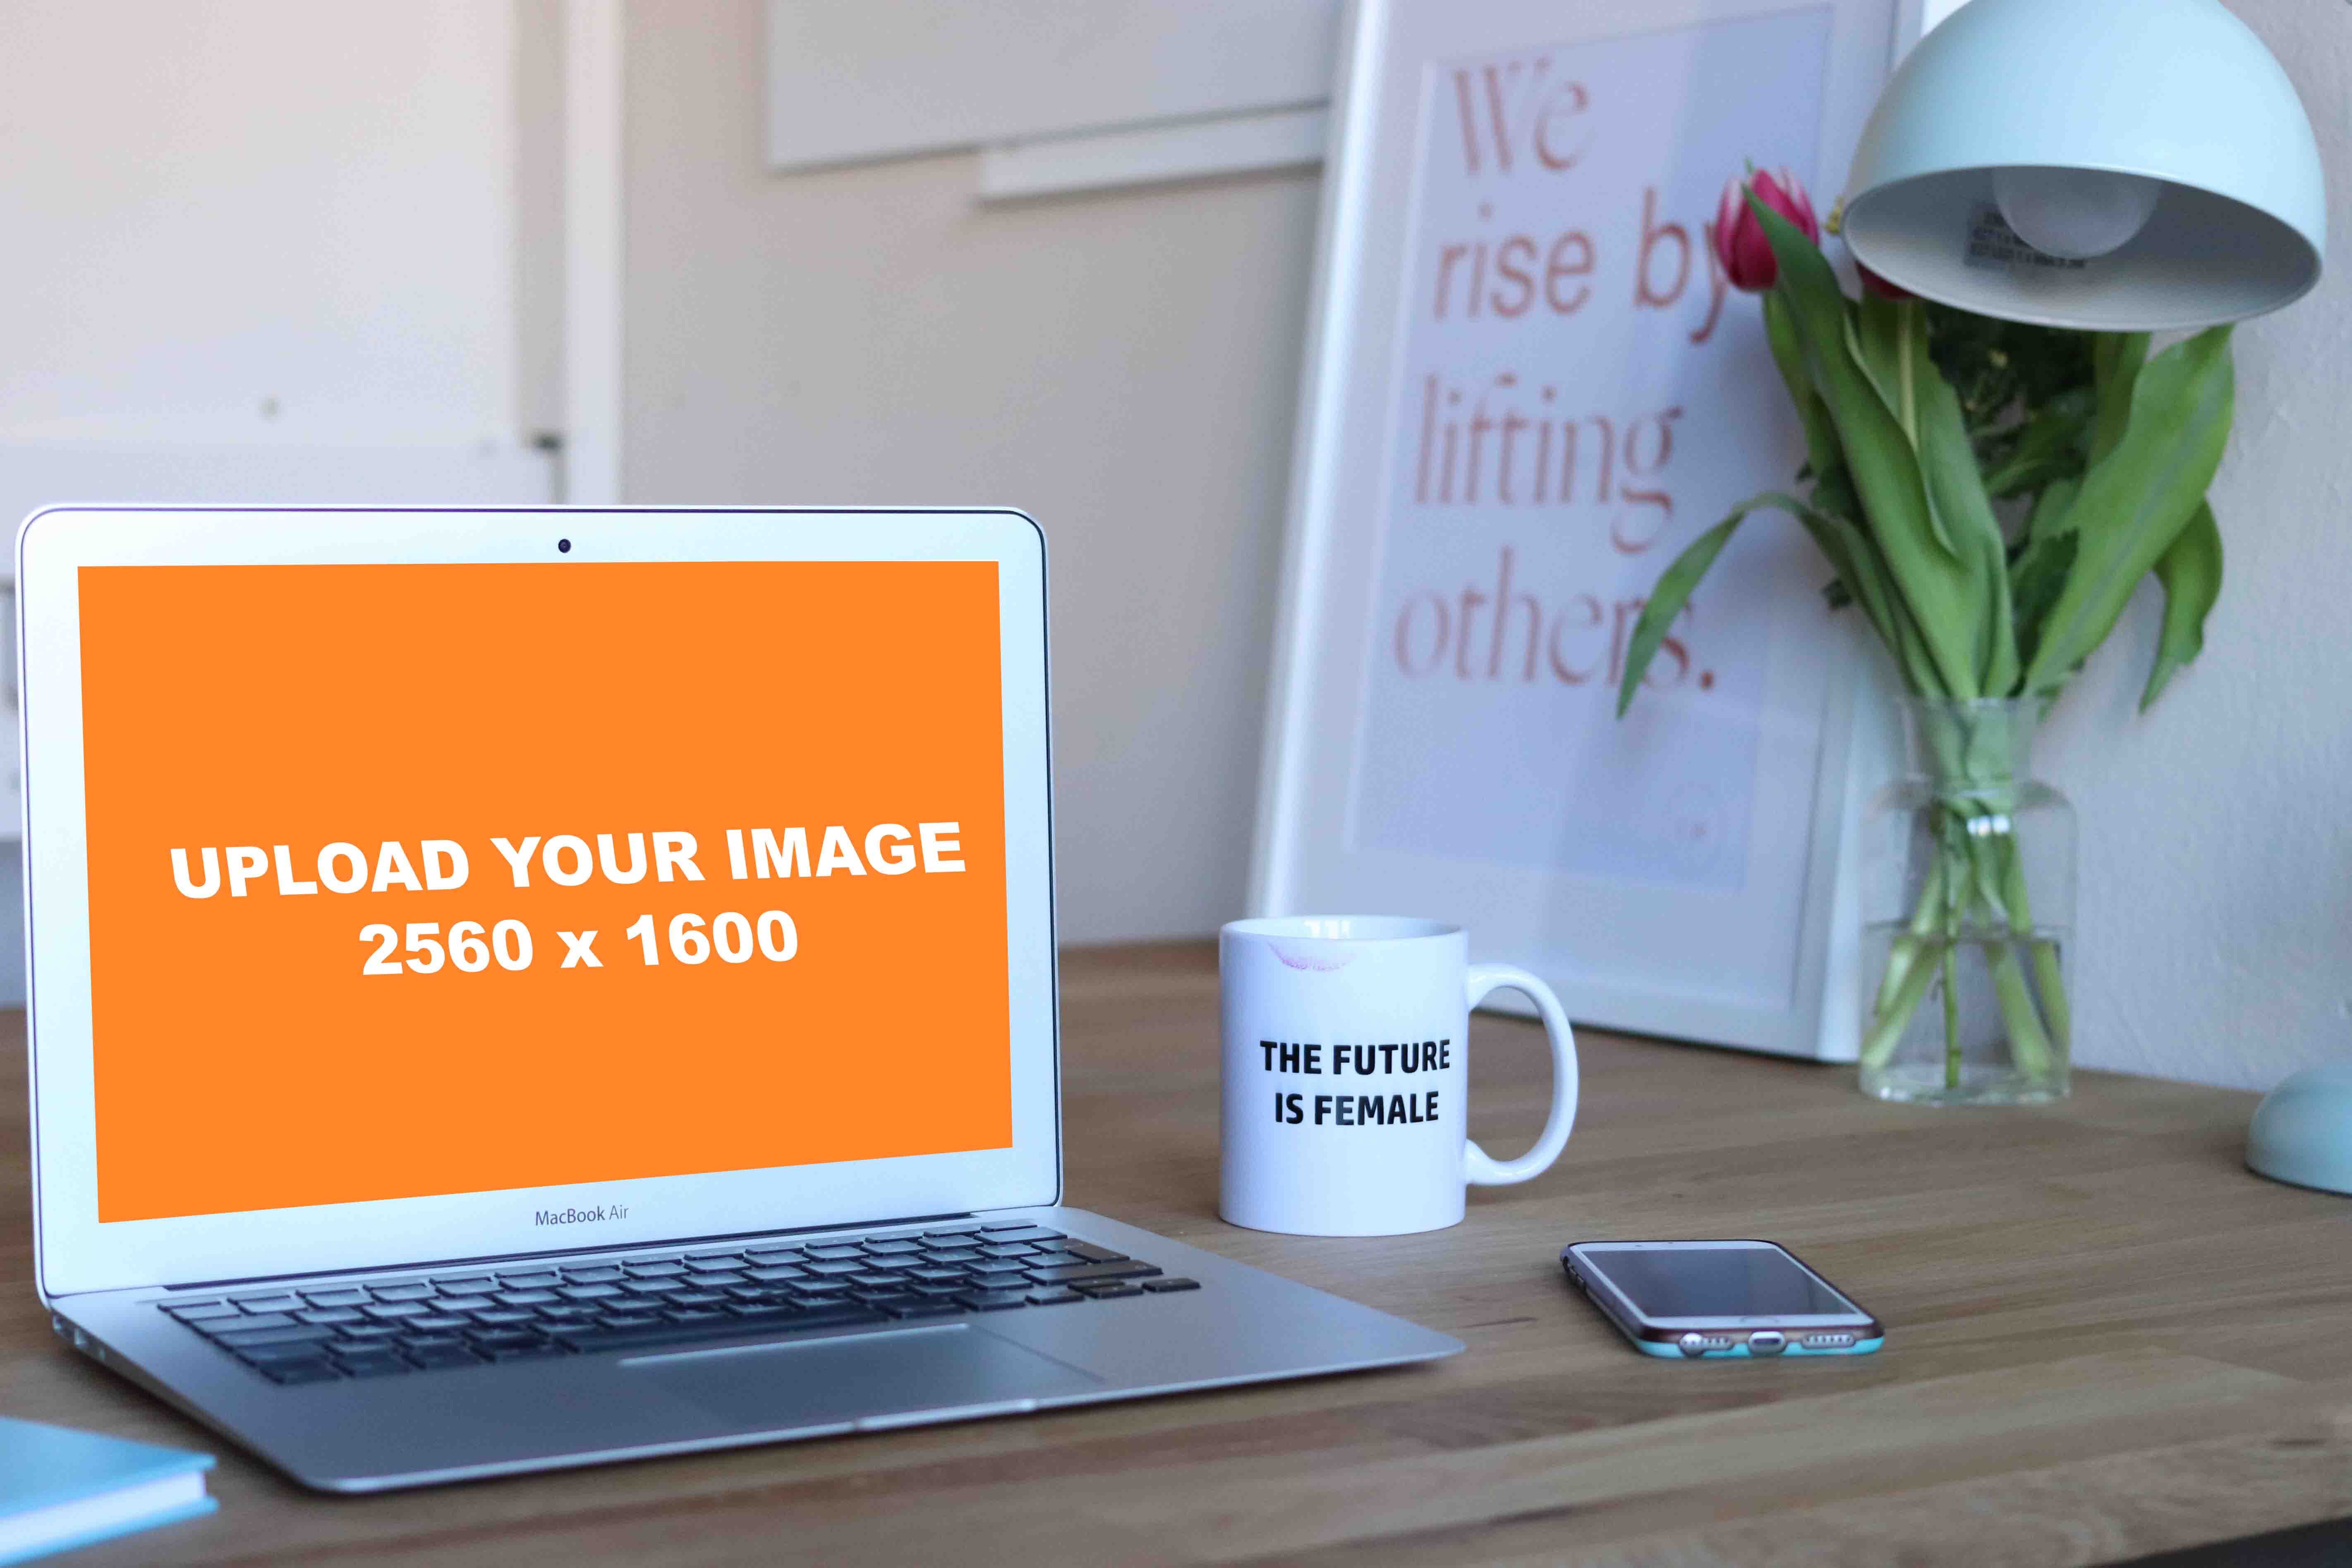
(1968, 915)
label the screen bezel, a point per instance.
(74, 1252)
(1598, 1277)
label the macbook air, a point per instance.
(514, 989)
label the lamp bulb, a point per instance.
(2075, 213)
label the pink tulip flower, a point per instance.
(1740, 242)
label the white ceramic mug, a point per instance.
(1346, 1071)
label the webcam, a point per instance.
(564, 545)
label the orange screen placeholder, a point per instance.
(821, 742)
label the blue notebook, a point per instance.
(60, 1488)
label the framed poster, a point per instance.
(1529, 386)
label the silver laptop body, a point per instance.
(393, 1340)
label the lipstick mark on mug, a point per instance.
(1320, 963)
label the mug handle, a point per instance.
(1482, 1169)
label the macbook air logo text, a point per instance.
(581, 1216)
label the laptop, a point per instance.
(525, 988)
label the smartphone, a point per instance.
(1699, 1298)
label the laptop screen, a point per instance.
(421, 879)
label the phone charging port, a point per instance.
(1767, 1342)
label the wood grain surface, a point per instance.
(2105, 1338)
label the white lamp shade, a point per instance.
(2177, 92)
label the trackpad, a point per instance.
(805, 1382)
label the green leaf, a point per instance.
(1668, 599)
(2048, 446)
(2116, 361)
(1956, 496)
(2053, 510)
(2135, 500)
(2190, 571)
(1822, 454)
(2035, 579)
(1884, 470)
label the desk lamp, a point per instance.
(2113, 166)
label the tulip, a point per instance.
(1739, 243)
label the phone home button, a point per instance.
(1767, 1342)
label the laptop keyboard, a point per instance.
(464, 1318)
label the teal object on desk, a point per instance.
(2302, 1129)
(60, 1489)
(2151, 153)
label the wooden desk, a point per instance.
(2105, 1338)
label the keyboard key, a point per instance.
(935, 1274)
(724, 1326)
(696, 1314)
(588, 1292)
(711, 1279)
(770, 1272)
(534, 1297)
(697, 1268)
(885, 1301)
(872, 1280)
(340, 1296)
(370, 1332)
(492, 1338)
(319, 1371)
(957, 1289)
(466, 1284)
(659, 1285)
(832, 1267)
(625, 1321)
(951, 1255)
(463, 1303)
(330, 1315)
(1053, 1297)
(999, 1278)
(1114, 1287)
(946, 1230)
(438, 1322)
(570, 1311)
(538, 1280)
(894, 1243)
(694, 1257)
(290, 1350)
(654, 1267)
(293, 1333)
(433, 1357)
(410, 1293)
(218, 1326)
(392, 1312)
(819, 1289)
(1019, 1230)
(1007, 1249)
(374, 1363)
(1087, 1273)
(277, 1301)
(835, 1251)
(597, 1274)
(773, 1257)
(1162, 1287)
(197, 1311)
(939, 1307)
(1093, 1254)
(695, 1298)
(994, 1300)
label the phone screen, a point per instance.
(1714, 1282)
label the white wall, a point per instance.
(2217, 845)
(1124, 365)
(258, 220)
